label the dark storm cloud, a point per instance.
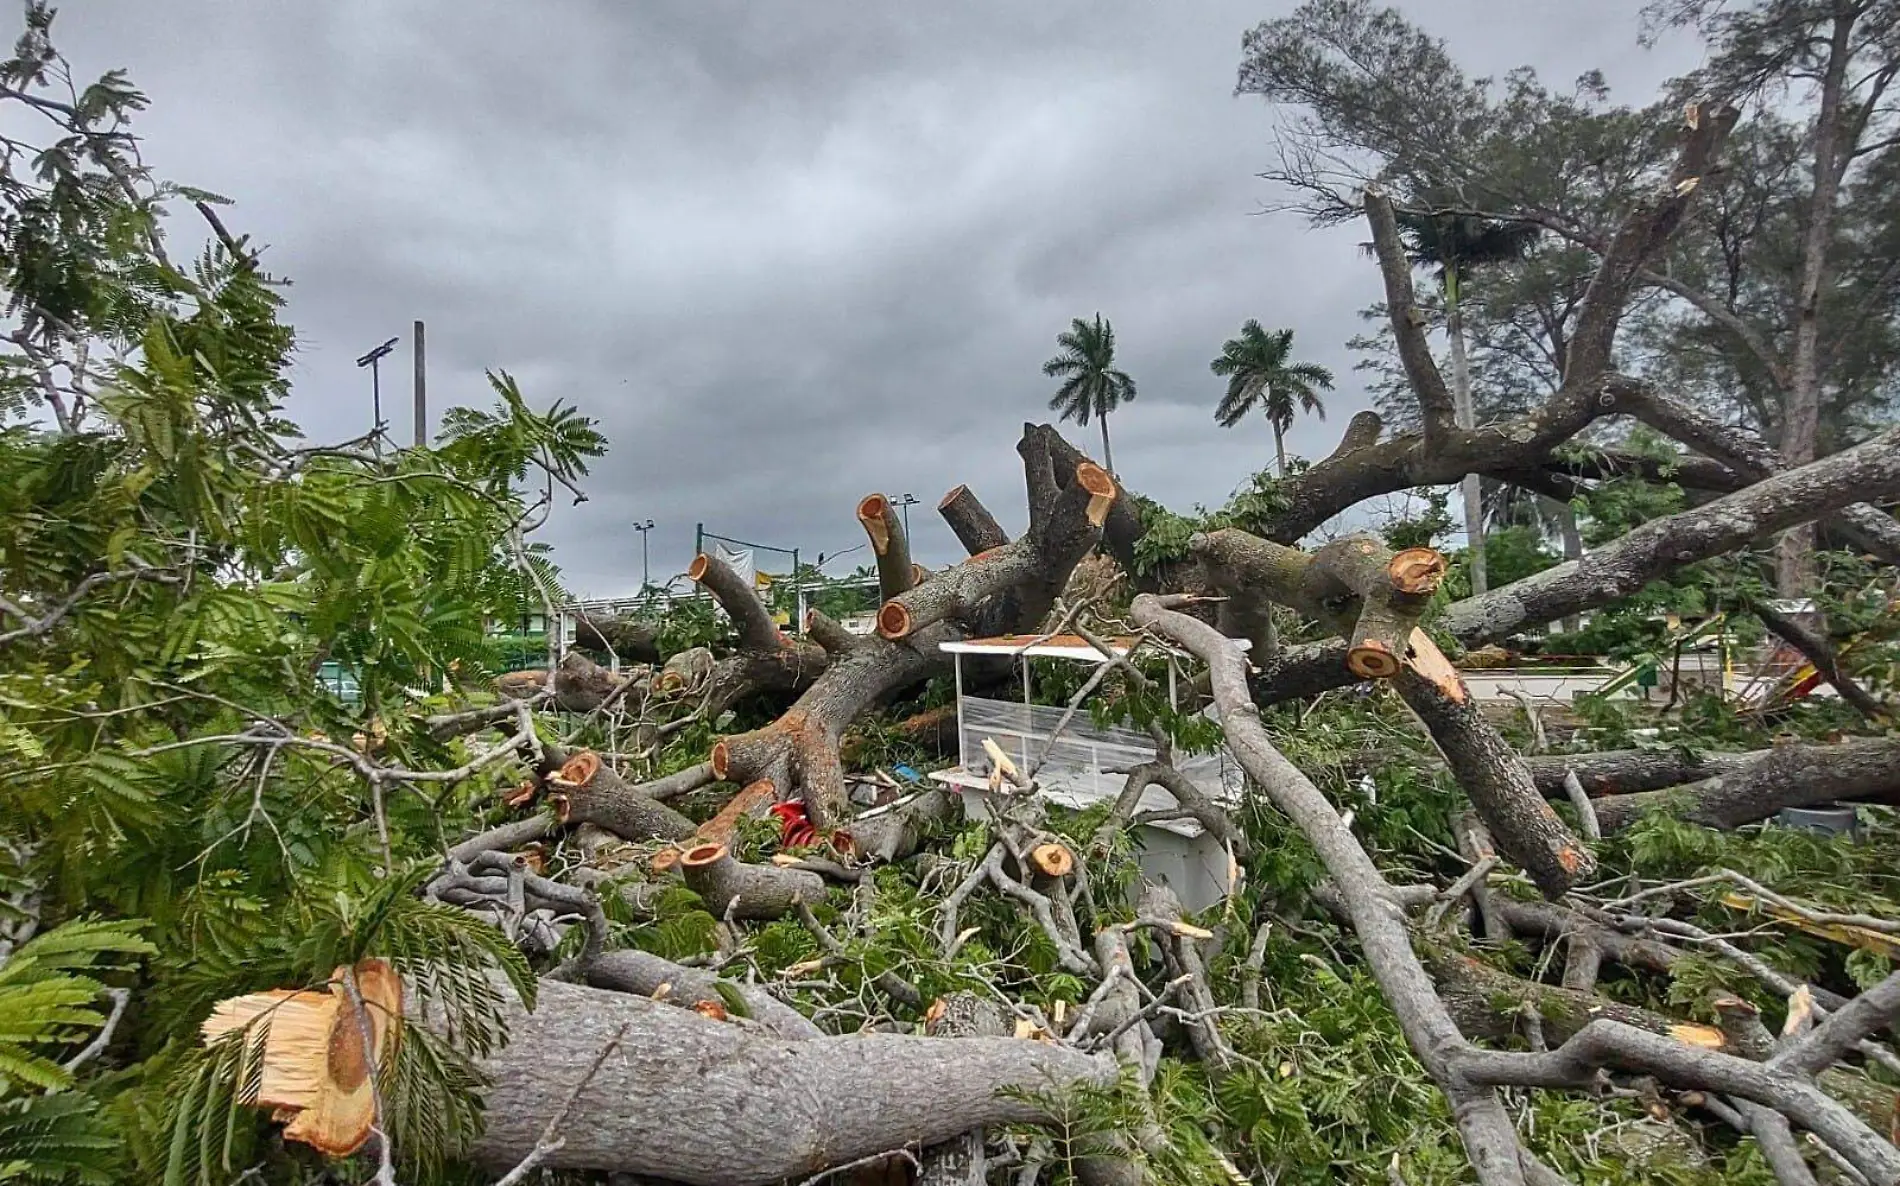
(786, 254)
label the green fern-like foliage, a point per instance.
(49, 1003)
(49, 997)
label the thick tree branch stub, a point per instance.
(1355, 586)
(751, 802)
(881, 522)
(586, 790)
(971, 522)
(1034, 566)
(741, 602)
(824, 630)
(1501, 789)
(733, 889)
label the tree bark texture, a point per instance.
(733, 889)
(710, 1103)
(1786, 776)
(960, 1161)
(1501, 789)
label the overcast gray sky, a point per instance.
(786, 254)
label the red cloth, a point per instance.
(795, 828)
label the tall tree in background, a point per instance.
(1777, 300)
(1458, 244)
(1801, 258)
(1091, 384)
(1259, 375)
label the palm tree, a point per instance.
(1091, 386)
(1458, 244)
(1259, 375)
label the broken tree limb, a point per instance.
(1608, 1043)
(1055, 541)
(733, 889)
(889, 544)
(822, 629)
(1485, 1002)
(752, 802)
(586, 790)
(1408, 322)
(741, 602)
(897, 831)
(320, 1051)
(1363, 467)
(1489, 1136)
(644, 974)
(1764, 782)
(1868, 527)
(1501, 790)
(971, 522)
(1356, 587)
(1624, 771)
(1870, 470)
(631, 641)
(1820, 652)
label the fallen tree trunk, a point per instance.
(1786, 776)
(693, 1100)
(1624, 771)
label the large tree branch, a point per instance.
(1868, 470)
(1786, 776)
(757, 630)
(1434, 1037)
(1641, 236)
(1869, 527)
(1610, 1043)
(1435, 402)
(1521, 822)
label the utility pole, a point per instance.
(904, 504)
(422, 392)
(371, 360)
(646, 581)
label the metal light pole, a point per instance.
(645, 573)
(904, 504)
(376, 380)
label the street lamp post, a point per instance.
(904, 504)
(646, 580)
(376, 382)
